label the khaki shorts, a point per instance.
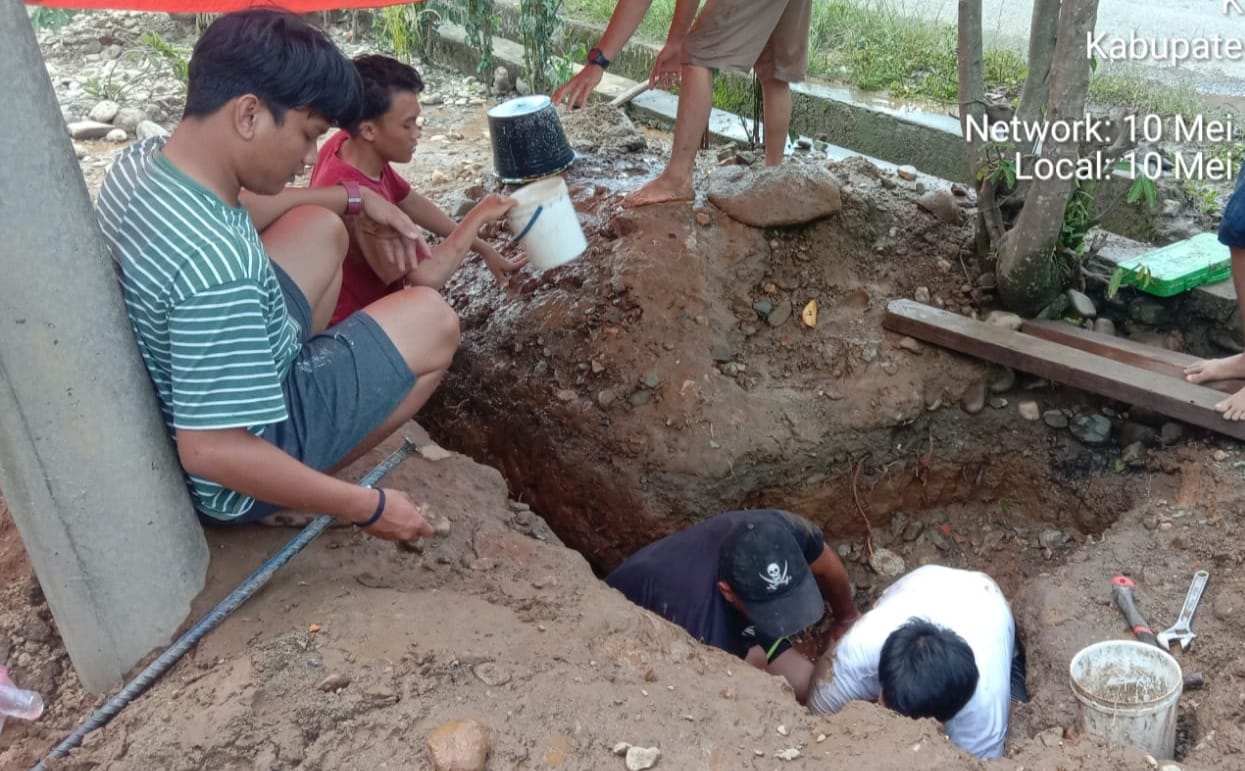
(770, 36)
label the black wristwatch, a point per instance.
(595, 56)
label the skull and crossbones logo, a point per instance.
(775, 577)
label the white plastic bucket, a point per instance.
(1128, 692)
(545, 223)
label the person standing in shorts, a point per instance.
(768, 36)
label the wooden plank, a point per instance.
(1062, 364)
(1126, 351)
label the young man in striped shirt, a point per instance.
(229, 280)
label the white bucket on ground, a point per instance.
(545, 223)
(1128, 692)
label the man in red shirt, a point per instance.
(387, 132)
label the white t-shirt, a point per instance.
(966, 602)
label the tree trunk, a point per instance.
(1043, 34)
(1028, 273)
(973, 105)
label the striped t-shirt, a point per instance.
(203, 302)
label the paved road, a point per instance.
(1007, 21)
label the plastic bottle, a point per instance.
(16, 702)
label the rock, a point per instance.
(640, 758)
(906, 172)
(1091, 429)
(1134, 454)
(1130, 432)
(431, 99)
(640, 398)
(566, 395)
(439, 177)
(886, 563)
(1051, 737)
(459, 745)
(1169, 767)
(1005, 320)
(998, 402)
(1171, 433)
(921, 295)
(763, 307)
(912, 531)
(148, 129)
(1029, 410)
(440, 527)
(129, 118)
(117, 135)
(334, 682)
(502, 82)
(490, 674)
(1004, 382)
(910, 345)
(791, 753)
(703, 219)
(974, 400)
(1104, 326)
(1055, 419)
(104, 111)
(775, 196)
(1081, 303)
(36, 630)
(88, 129)
(721, 352)
(780, 314)
(621, 748)
(1220, 455)
(1147, 310)
(941, 204)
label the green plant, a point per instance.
(408, 29)
(177, 59)
(479, 19)
(539, 23)
(50, 19)
(562, 67)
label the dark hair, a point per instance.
(279, 58)
(926, 671)
(382, 76)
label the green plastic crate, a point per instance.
(1179, 267)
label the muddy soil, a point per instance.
(638, 389)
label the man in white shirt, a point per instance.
(938, 643)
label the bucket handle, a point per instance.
(530, 223)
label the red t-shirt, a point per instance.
(360, 284)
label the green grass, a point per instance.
(873, 46)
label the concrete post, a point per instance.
(85, 464)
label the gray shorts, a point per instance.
(341, 387)
(769, 36)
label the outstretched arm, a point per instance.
(425, 213)
(836, 588)
(623, 23)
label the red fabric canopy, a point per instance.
(216, 6)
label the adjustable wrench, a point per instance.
(1180, 632)
(1122, 590)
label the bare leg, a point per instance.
(309, 244)
(777, 95)
(675, 183)
(1228, 367)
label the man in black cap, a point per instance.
(744, 581)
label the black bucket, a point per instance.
(528, 141)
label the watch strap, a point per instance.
(354, 196)
(597, 56)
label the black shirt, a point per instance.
(677, 578)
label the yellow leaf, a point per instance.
(809, 314)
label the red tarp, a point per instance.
(216, 6)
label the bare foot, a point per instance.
(1233, 408)
(1227, 368)
(659, 190)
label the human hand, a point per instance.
(667, 69)
(387, 252)
(838, 629)
(500, 266)
(401, 519)
(491, 207)
(575, 92)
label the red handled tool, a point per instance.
(1122, 590)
